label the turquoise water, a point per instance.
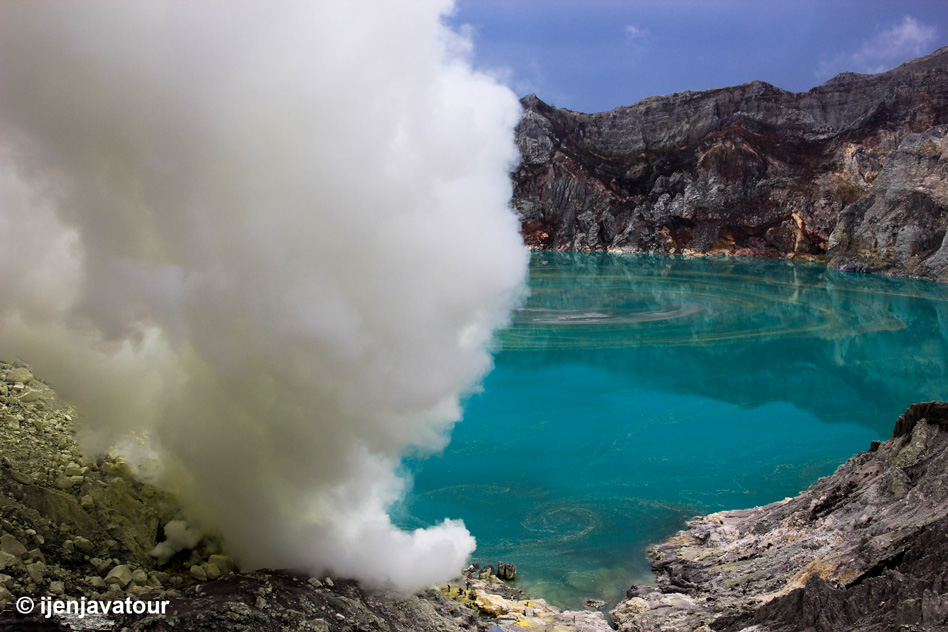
(633, 392)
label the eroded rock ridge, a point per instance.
(749, 170)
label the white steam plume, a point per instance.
(178, 537)
(275, 236)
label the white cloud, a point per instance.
(633, 32)
(890, 47)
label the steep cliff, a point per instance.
(746, 170)
(899, 226)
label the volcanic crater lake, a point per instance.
(633, 392)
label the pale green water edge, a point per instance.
(633, 391)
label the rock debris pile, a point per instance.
(75, 527)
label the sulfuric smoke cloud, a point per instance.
(276, 238)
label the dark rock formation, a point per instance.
(863, 549)
(506, 571)
(899, 226)
(265, 601)
(747, 170)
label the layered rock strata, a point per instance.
(899, 225)
(864, 549)
(746, 170)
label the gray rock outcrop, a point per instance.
(898, 227)
(864, 549)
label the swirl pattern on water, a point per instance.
(632, 392)
(561, 522)
(564, 317)
(686, 303)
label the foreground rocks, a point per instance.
(72, 526)
(746, 170)
(76, 528)
(501, 605)
(262, 601)
(86, 524)
(863, 549)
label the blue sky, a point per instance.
(595, 55)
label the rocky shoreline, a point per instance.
(863, 549)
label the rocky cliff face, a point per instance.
(899, 225)
(864, 549)
(747, 170)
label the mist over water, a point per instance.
(273, 237)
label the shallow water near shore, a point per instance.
(632, 392)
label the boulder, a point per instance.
(8, 560)
(36, 571)
(119, 576)
(211, 570)
(9, 544)
(34, 555)
(20, 374)
(65, 483)
(198, 573)
(140, 577)
(493, 605)
(506, 571)
(83, 544)
(29, 395)
(224, 563)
